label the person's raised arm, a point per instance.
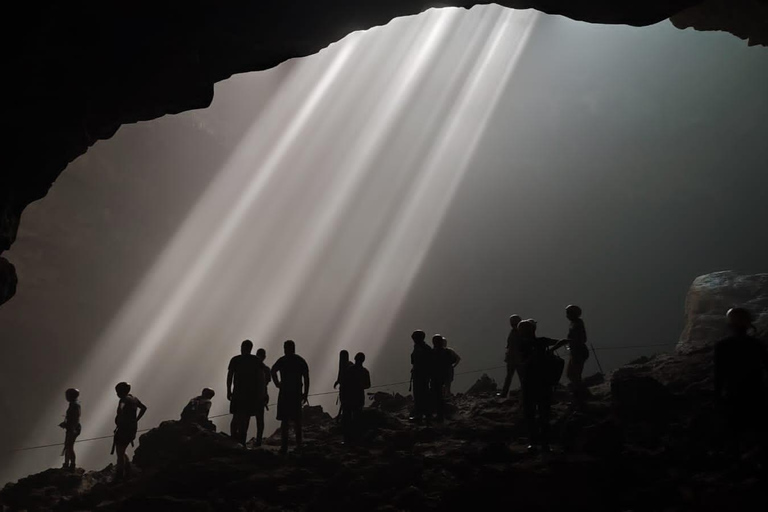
(142, 409)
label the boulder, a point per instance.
(709, 298)
(640, 397)
(484, 386)
(175, 441)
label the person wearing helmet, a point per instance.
(71, 426)
(579, 353)
(512, 356)
(741, 361)
(344, 365)
(357, 379)
(537, 383)
(129, 411)
(290, 374)
(198, 408)
(421, 369)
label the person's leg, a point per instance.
(438, 403)
(545, 407)
(299, 433)
(284, 426)
(346, 422)
(529, 409)
(508, 380)
(244, 429)
(234, 427)
(259, 424)
(120, 467)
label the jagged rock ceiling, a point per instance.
(81, 70)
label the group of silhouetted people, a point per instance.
(432, 372)
(740, 362)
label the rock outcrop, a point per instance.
(710, 297)
(80, 71)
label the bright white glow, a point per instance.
(318, 223)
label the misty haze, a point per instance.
(440, 173)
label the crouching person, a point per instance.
(198, 408)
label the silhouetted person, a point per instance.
(356, 380)
(442, 364)
(129, 411)
(421, 369)
(579, 353)
(71, 426)
(344, 364)
(455, 360)
(262, 402)
(537, 383)
(740, 363)
(246, 390)
(512, 356)
(198, 408)
(293, 371)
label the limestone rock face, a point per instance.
(710, 297)
(82, 70)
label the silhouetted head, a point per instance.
(72, 394)
(207, 393)
(572, 312)
(122, 389)
(289, 347)
(437, 340)
(343, 356)
(739, 320)
(514, 320)
(246, 347)
(359, 358)
(261, 354)
(418, 336)
(527, 328)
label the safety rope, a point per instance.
(378, 386)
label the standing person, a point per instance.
(441, 371)
(356, 380)
(293, 371)
(262, 399)
(579, 353)
(512, 356)
(537, 384)
(344, 364)
(421, 359)
(71, 426)
(455, 360)
(741, 361)
(245, 390)
(198, 408)
(129, 411)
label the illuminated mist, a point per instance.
(441, 172)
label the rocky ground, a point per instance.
(648, 441)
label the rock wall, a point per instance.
(79, 71)
(710, 297)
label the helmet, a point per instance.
(208, 393)
(514, 320)
(418, 335)
(573, 310)
(72, 394)
(739, 318)
(123, 388)
(527, 327)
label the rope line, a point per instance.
(378, 386)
